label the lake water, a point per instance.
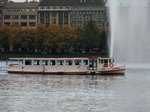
(75, 93)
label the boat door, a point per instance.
(93, 63)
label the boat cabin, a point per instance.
(90, 65)
(91, 62)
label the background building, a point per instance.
(85, 11)
(55, 12)
(61, 12)
(1, 18)
(22, 14)
(2, 4)
(72, 12)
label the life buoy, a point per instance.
(111, 65)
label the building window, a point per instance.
(15, 17)
(100, 25)
(74, 19)
(42, 18)
(42, 7)
(54, 21)
(47, 18)
(32, 24)
(7, 23)
(24, 24)
(31, 16)
(24, 17)
(65, 18)
(8, 10)
(61, 18)
(87, 18)
(54, 15)
(99, 18)
(60, 7)
(48, 7)
(7, 17)
(54, 7)
(67, 7)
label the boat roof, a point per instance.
(26, 58)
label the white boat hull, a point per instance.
(69, 72)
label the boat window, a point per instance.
(20, 62)
(93, 63)
(77, 62)
(102, 61)
(110, 60)
(69, 62)
(85, 62)
(52, 62)
(36, 62)
(28, 62)
(105, 61)
(44, 62)
(60, 62)
(14, 62)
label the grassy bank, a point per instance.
(6, 56)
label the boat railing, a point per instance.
(13, 64)
(3, 68)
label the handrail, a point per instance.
(3, 68)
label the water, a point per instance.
(75, 93)
(130, 35)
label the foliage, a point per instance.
(53, 38)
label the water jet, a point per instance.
(130, 35)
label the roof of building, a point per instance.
(22, 5)
(70, 2)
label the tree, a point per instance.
(40, 36)
(66, 37)
(104, 44)
(91, 36)
(4, 38)
(78, 42)
(14, 39)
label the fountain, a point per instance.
(130, 30)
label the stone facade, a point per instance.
(81, 15)
(23, 14)
(65, 12)
(1, 18)
(2, 4)
(55, 15)
(72, 12)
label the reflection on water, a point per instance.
(76, 93)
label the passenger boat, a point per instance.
(89, 65)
